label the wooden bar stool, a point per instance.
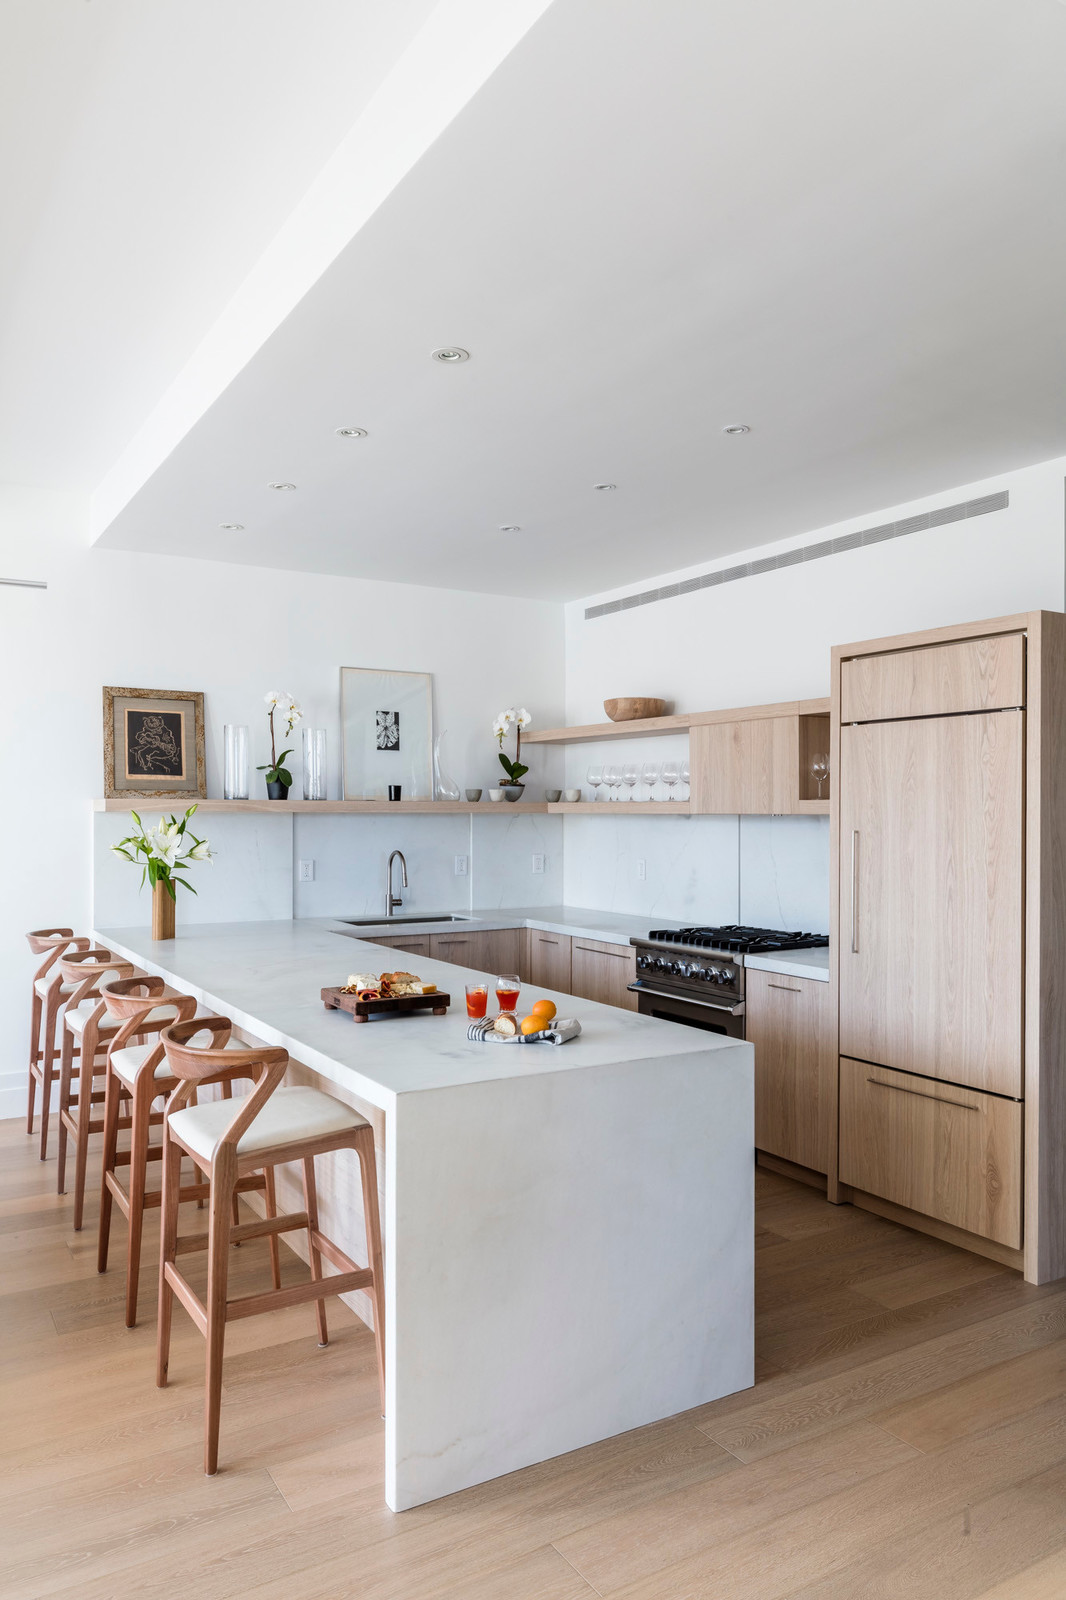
(269, 1126)
(86, 1026)
(137, 1071)
(50, 993)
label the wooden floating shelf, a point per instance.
(325, 808)
(681, 723)
(644, 808)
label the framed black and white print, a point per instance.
(386, 733)
(154, 743)
(388, 730)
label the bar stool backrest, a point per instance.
(88, 969)
(196, 1064)
(129, 1000)
(51, 943)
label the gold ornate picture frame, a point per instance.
(154, 744)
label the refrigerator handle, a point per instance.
(855, 892)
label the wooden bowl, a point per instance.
(632, 710)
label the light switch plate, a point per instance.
(307, 872)
(642, 868)
(538, 863)
(460, 866)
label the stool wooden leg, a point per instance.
(65, 1070)
(85, 1112)
(139, 1137)
(223, 1181)
(35, 1056)
(368, 1173)
(272, 1210)
(168, 1252)
(111, 1110)
(311, 1207)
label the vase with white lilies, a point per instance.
(278, 776)
(163, 853)
(512, 785)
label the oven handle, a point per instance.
(664, 994)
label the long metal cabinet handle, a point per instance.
(855, 892)
(937, 1099)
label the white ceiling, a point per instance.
(843, 224)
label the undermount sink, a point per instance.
(379, 922)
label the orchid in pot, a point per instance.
(278, 776)
(167, 850)
(512, 785)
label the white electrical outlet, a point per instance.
(642, 869)
(307, 872)
(460, 866)
(538, 863)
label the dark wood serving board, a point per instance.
(361, 1010)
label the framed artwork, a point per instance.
(386, 733)
(154, 744)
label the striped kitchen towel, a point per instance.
(561, 1030)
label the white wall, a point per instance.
(111, 617)
(768, 638)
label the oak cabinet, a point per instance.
(790, 1021)
(940, 680)
(413, 944)
(602, 972)
(945, 1151)
(756, 766)
(931, 950)
(495, 952)
(549, 960)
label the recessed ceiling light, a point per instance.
(281, 486)
(737, 427)
(351, 433)
(510, 527)
(451, 353)
(232, 527)
(605, 486)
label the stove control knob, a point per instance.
(724, 975)
(706, 973)
(661, 965)
(643, 962)
(672, 969)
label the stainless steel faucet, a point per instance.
(393, 900)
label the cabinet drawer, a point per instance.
(415, 944)
(549, 960)
(790, 1022)
(603, 972)
(947, 1152)
(973, 675)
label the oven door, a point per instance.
(709, 1015)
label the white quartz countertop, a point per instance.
(267, 976)
(581, 922)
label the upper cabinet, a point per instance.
(760, 765)
(940, 680)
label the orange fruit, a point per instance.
(546, 1008)
(533, 1023)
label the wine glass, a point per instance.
(595, 778)
(630, 776)
(684, 791)
(651, 777)
(820, 771)
(671, 777)
(612, 777)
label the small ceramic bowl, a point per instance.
(553, 795)
(571, 795)
(495, 794)
(473, 794)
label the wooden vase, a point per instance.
(163, 909)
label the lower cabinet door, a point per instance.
(414, 945)
(790, 1023)
(549, 960)
(950, 1153)
(602, 972)
(465, 949)
(497, 953)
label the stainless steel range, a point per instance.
(696, 975)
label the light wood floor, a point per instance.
(906, 1438)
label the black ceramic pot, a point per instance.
(277, 791)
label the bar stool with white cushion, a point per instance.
(87, 1033)
(49, 994)
(235, 1139)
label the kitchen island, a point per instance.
(568, 1230)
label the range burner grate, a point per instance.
(732, 937)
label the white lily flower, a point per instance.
(522, 717)
(201, 852)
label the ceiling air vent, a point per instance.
(810, 552)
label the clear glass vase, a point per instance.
(314, 763)
(443, 786)
(235, 764)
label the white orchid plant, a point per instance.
(516, 719)
(284, 705)
(167, 849)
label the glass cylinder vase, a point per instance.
(314, 763)
(235, 766)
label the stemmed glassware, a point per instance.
(820, 771)
(630, 777)
(651, 778)
(684, 791)
(612, 776)
(595, 778)
(671, 776)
